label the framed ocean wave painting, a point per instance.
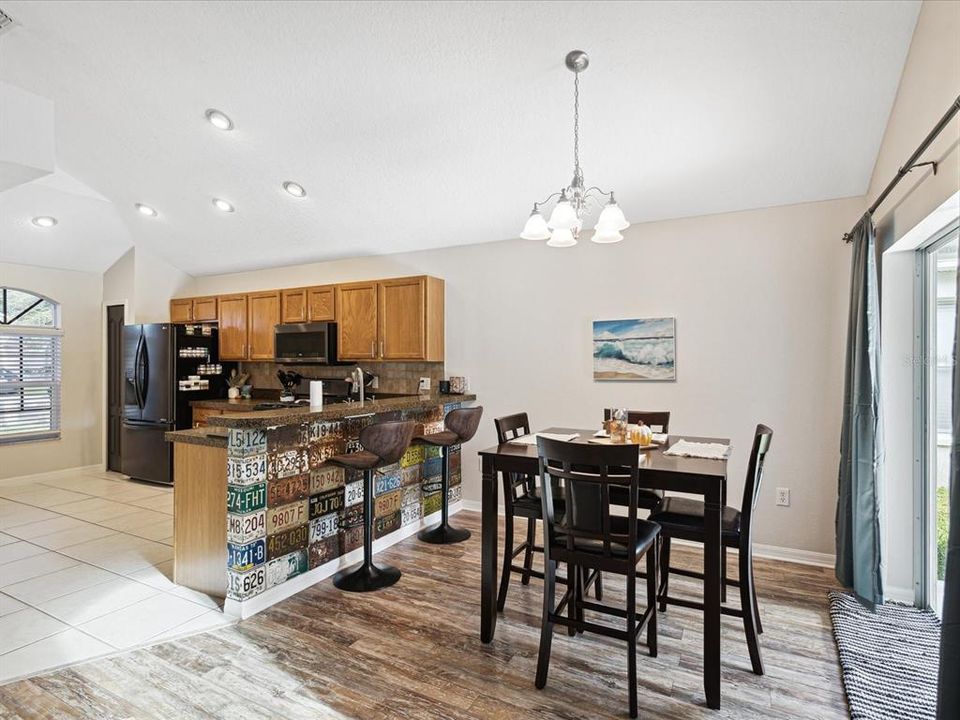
(643, 349)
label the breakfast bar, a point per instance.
(259, 514)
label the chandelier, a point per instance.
(575, 201)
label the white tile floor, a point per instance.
(86, 562)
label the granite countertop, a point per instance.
(302, 413)
(210, 436)
(228, 405)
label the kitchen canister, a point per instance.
(458, 384)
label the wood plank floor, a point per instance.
(413, 651)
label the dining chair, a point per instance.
(658, 422)
(521, 499)
(587, 536)
(683, 518)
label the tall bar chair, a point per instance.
(383, 444)
(683, 518)
(589, 537)
(459, 427)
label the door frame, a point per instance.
(924, 456)
(104, 399)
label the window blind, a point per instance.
(29, 385)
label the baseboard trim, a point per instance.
(53, 473)
(768, 552)
(248, 608)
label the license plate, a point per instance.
(286, 516)
(455, 478)
(246, 442)
(320, 429)
(287, 541)
(324, 551)
(242, 529)
(431, 503)
(411, 475)
(353, 445)
(353, 426)
(246, 470)
(386, 525)
(431, 485)
(351, 538)
(352, 516)
(324, 527)
(385, 483)
(431, 451)
(432, 466)
(286, 463)
(409, 514)
(286, 437)
(242, 586)
(242, 499)
(430, 428)
(281, 569)
(353, 493)
(386, 504)
(450, 406)
(320, 452)
(281, 492)
(244, 557)
(410, 496)
(325, 503)
(454, 463)
(325, 478)
(413, 456)
(455, 494)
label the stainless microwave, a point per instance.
(306, 343)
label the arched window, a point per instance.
(29, 366)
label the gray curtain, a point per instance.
(948, 694)
(858, 563)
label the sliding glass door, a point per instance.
(940, 301)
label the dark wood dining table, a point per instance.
(699, 476)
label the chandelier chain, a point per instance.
(576, 124)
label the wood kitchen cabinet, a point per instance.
(232, 316)
(181, 310)
(293, 305)
(200, 415)
(410, 315)
(263, 315)
(357, 323)
(322, 303)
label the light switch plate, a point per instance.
(424, 383)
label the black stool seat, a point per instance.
(682, 513)
(383, 444)
(460, 426)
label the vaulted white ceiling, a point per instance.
(419, 125)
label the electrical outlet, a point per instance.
(783, 496)
(424, 384)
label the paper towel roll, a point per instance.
(316, 393)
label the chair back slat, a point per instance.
(510, 427)
(751, 487)
(583, 474)
(657, 421)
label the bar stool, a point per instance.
(383, 444)
(461, 425)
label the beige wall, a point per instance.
(79, 295)
(760, 302)
(930, 83)
(144, 283)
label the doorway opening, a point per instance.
(115, 319)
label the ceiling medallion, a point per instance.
(576, 201)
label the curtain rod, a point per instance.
(912, 160)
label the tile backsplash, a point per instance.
(395, 377)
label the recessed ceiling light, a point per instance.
(145, 210)
(295, 189)
(44, 221)
(222, 205)
(219, 120)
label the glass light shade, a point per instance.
(222, 205)
(562, 237)
(611, 218)
(606, 235)
(536, 228)
(563, 216)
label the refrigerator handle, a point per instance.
(144, 372)
(136, 372)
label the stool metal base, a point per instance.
(443, 534)
(366, 577)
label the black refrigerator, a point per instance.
(156, 358)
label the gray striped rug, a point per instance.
(889, 659)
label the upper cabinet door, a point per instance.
(232, 314)
(321, 304)
(264, 316)
(402, 312)
(357, 328)
(204, 309)
(293, 305)
(181, 311)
